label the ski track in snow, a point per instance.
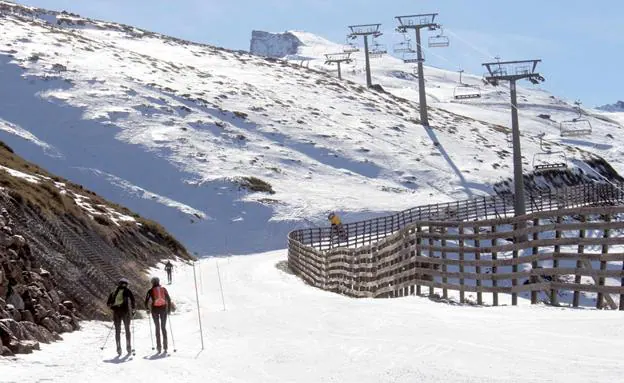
(277, 329)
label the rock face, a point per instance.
(55, 271)
(276, 45)
(30, 306)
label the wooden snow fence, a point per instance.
(573, 250)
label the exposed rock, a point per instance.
(16, 301)
(15, 329)
(27, 316)
(69, 305)
(14, 313)
(40, 333)
(5, 351)
(51, 325)
(23, 346)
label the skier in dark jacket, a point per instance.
(121, 301)
(168, 269)
(160, 307)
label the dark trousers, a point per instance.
(169, 276)
(159, 315)
(339, 232)
(118, 317)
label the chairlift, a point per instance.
(465, 91)
(377, 50)
(544, 161)
(575, 127)
(439, 41)
(404, 47)
(350, 48)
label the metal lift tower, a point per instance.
(338, 58)
(365, 30)
(513, 71)
(418, 22)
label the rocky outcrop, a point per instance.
(276, 45)
(31, 309)
(617, 107)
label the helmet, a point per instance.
(331, 215)
(123, 281)
(155, 281)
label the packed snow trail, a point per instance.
(277, 329)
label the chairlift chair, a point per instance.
(543, 161)
(410, 58)
(578, 126)
(439, 41)
(350, 48)
(464, 91)
(575, 127)
(403, 47)
(377, 50)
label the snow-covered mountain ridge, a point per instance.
(617, 107)
(173, 128)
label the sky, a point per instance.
(581, 43)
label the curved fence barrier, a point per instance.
(559, 253)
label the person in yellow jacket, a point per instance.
(337, 227)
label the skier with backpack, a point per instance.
(168, 269)
(160, 307)
(121, 301)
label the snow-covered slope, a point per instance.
(275, 328)
(169, 127)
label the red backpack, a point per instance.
(159, 294)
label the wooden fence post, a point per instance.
(430, 253)
(418, 253)
(579, 265)
(494, 268)
(477, 244)
(554, 293)
(444, 268)
(603, 264)
(514, 268)
(534, 264)
(461, 265)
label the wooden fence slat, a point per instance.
(418, 254)
(444, 267)
(579, 264)
(534, 264)
(603, 264)
(461, 267)
(477, 255)
(494, 270)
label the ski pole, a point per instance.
(133, 333)
(171, 331)
(151, 333)
(107, 336)
(220, 285)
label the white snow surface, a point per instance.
(165, 126)
(277, 329)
